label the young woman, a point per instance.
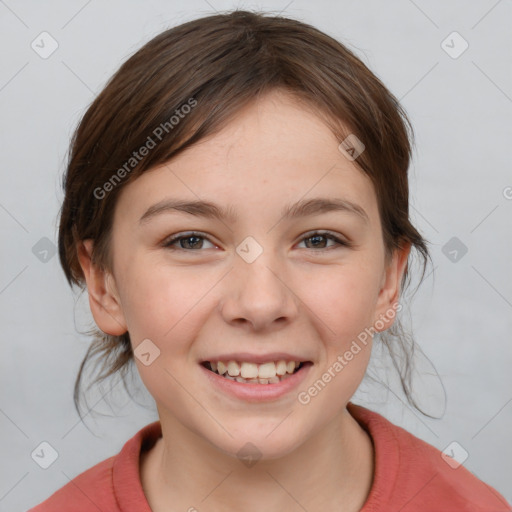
(236, 203)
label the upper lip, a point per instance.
(256, 358)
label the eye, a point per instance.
(195, 241)
(320, 238)
(189, 241)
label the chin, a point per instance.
(257, 444)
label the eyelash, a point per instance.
(326, 234)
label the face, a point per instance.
(267, 282)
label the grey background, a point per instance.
(460, 187)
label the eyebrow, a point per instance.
(207, 209)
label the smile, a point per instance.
(251, 373)
(256, 382)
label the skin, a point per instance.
(295, 297)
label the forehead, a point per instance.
(275, 151)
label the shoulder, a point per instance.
(412, 475)
(113, 484)
(430, 477)
(91, 490)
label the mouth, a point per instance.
(267, 373)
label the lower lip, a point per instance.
(252, 392)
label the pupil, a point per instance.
(196, 238)
(316, 237)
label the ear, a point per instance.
(103, 296)
(389, 293)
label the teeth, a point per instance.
(281, 367)
(265, 373)
(267, 370)
(233, 369)
(273, 380)
(249, 370)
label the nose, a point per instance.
(257, 295)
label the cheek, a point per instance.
(167, 305)
(345, 301)
(345, 298)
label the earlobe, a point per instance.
(389, 293)
(105, 303)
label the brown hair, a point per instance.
(217, 65)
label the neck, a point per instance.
(333, 468)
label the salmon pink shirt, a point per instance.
(410, 476)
